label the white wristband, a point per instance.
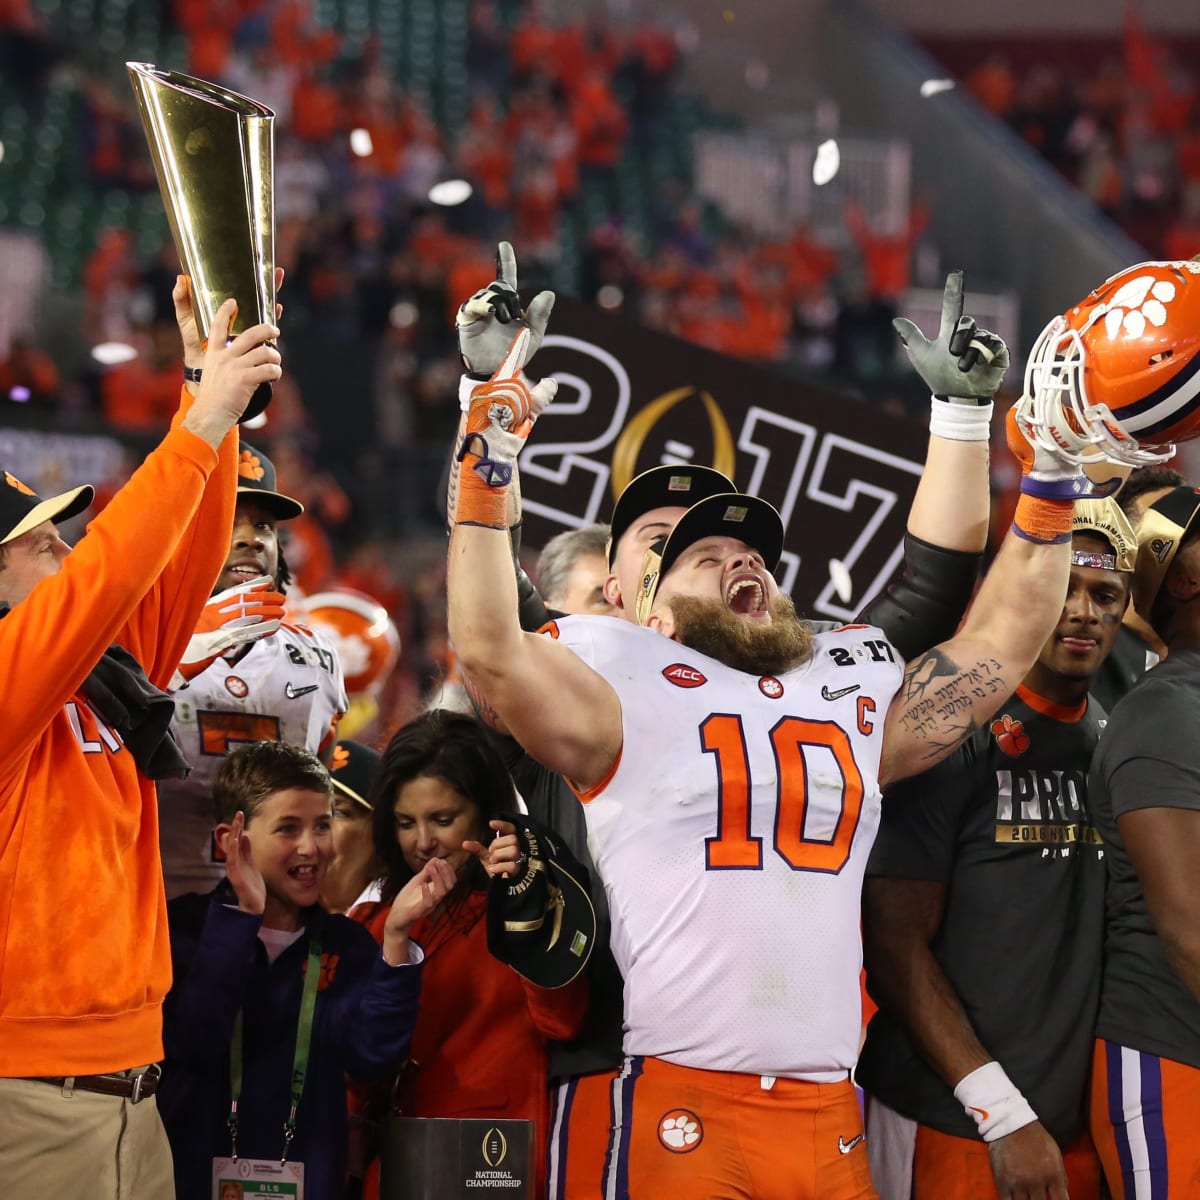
(960, 422)
(993, 1102)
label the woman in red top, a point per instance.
(479, 1048)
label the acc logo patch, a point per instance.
(237, 687)
(770, 687)
(681, 675)
(1010, 736)
(680, 1130)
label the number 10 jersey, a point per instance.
(732, 837)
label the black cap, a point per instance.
(663, 487)
(21, 509)
(352, 769)
(542, 924)
(256, 477)
(731, 514)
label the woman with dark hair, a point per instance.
(479, 1047)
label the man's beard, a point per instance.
(760, 649)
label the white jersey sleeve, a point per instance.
(732, 838)
(286, 687)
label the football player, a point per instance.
(994, 849)
(1145, 799)
(284, 686)
(729, 761)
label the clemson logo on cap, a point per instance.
(341, 756)
(249, 466)
(14, 482)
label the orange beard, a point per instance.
(709, 627)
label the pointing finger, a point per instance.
(506, 264)
(952, 304)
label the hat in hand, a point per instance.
(541, 921)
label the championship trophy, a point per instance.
(214, 154)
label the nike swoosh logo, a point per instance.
(845, 1147)
(983, 1112)
(826, 694)
(292, 692)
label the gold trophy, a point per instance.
(214, 154)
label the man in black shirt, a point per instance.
(982, 927)
(1145, 789)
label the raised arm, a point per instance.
(486, 323)
(947, 524)
(556, 706)
(951, 690)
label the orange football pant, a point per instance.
(946, 1167)
(1146, 1123)
(677, 1133)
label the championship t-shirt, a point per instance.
(1004, 824)
(1149, 758)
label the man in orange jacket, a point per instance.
(88, 638)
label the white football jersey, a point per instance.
(286, 687)
(732, 838)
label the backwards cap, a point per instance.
(728, 514)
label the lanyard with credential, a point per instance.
(308, 1004)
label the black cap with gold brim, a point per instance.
(1104, 518)
(542, 922)
(256, 478)
(21, 509)
(352, 770)
(663, 487)
(730, 514)
(1160, 533)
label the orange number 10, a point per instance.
(734, 848)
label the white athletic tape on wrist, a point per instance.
(960, 420)
(993, 1102)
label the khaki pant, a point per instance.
(55, 1142)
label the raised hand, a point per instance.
(962, 363)
(189, 328)
(485, 321)
(502, 855)
(501, 414)
(416, 899)
(244, 877)
(242, 613)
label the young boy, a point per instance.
(235, 1017)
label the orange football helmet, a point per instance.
(1118, 375)
(364, 636)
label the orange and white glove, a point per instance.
(499, 419)
(242, 613)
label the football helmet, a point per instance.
(362, 633)
(1118, 375)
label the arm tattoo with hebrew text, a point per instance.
(939, 697)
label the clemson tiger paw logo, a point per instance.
(1010, 736)
(14, 482)
(1140, 302)
(249, 466)
(341, 756)
(680, 1130)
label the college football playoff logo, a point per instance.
(495, 1147)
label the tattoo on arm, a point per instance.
(452, 483)
(939, 698)
(483, 710)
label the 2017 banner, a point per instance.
(841, 473)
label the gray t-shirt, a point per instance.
(1149, 758)
(1004, 824)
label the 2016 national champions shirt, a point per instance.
(1004, 824)
(1149, 758)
